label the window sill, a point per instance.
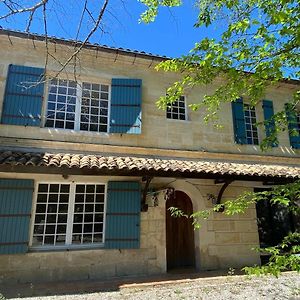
(66, 248)
(178, 120)
(77, 132)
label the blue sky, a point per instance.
(172, 34)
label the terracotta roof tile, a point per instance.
(162, 165)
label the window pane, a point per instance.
(42, 198)
(59, 99)
(90, 198)
(69, 125)
(97, 238)
(53, 197)
(62, 218)
(98, 227)
(104, 88)
(80, 188)
(78, 218)
(48, 221)
(60, 239)
(99, 198)
(41, 208)
(251, 129)
(94, 106)
(85, 223)
(51, 218)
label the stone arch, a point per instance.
(201, 236)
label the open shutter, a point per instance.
(23, 96)
(268, 114)
(239, 121)
(122, 229)
(15, 211)
(293, 127)
(125, 111)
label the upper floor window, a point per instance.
(250, 123)
(69, 214)
(72, 105)
(115, 107)
(177, 109)
(245, 121)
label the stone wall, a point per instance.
(157, 130)
(221, 242)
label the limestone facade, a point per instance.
(221, 242)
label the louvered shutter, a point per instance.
(268, 114)
(293, 127)
(122, 229)
(239, 121)
(126, 111)
(23, 96)
(15, 212)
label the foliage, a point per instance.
(2, 297)
(152, 8)
(285, 256)
(258, 47)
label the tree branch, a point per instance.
(31, 9)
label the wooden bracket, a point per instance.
(222, 190)
(144, 206)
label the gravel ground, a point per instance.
(287, 286)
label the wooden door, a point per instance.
(180, 233)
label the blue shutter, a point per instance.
(126, 111)
(23, 96)
(15, 211)
(122, 227)
(268, 114)
(293, 127)
(239, 121)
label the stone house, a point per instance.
(89, 166)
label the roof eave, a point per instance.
(139, 173)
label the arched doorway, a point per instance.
(180, 233)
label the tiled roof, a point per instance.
(161, 166)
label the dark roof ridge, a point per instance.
(41, 37)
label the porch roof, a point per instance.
(64, 163)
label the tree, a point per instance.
(259, 46)
(90, 17)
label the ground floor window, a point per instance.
(274, 222)
(69, 214)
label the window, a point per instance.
(274, 222)
(69, 214)
(77, 106)
(250, 124)
(177, 110)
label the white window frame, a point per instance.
(79, 85)
(185, 111)
(249, 108)
(70, 217)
